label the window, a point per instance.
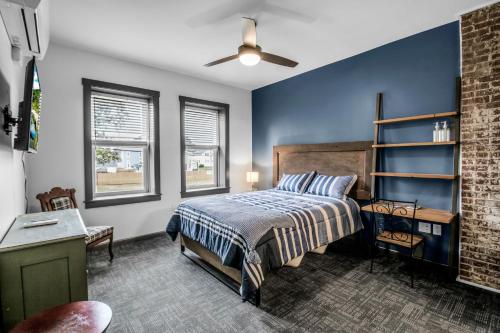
(204, 147)
(122, 156)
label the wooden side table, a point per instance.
(76, 317)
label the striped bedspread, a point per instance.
(258, 231)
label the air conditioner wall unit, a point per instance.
(27, 24)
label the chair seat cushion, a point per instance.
(96, 232)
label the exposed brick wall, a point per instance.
(480, 137)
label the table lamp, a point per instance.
(253, 177)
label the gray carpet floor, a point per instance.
(151, 287)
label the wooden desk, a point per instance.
(431, 215)
(42, 267)
(422, 214)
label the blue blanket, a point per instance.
(258, 231)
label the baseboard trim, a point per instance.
(477, 285)
(139, 238)
(131, 239)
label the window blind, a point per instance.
(201, 126)
(119, 118)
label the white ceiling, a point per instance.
(183, 35)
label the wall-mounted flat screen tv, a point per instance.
(29, 111)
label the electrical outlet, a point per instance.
(436, 229)
(424, 227)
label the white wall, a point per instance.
(59, 161)
(11, 173)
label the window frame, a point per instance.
(225, 188)
(216, 170)
(92, 198)
(146, 174)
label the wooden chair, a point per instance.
(58, 198)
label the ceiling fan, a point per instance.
(250, 54)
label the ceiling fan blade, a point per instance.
(288, 13)
(272, 58)
(214, 15)
(220, 61)
(225, 11)
(249, 32)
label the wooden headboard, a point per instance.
(333, 159)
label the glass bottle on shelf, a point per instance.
(435, 133)
(446, 132)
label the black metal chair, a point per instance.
(390, 229)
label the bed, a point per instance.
(239, 238)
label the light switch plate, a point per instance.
(424, 227)
(436, 229)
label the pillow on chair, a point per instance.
(94, 233)
(61, 203)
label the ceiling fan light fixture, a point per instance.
(249, 59)
(248, 55)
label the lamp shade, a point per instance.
(249, 59)
(252, 177)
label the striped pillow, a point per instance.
(332, 186)
(296, 182)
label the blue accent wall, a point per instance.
(336, 103)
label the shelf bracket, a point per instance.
(8, 120)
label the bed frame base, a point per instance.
(217, 273)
